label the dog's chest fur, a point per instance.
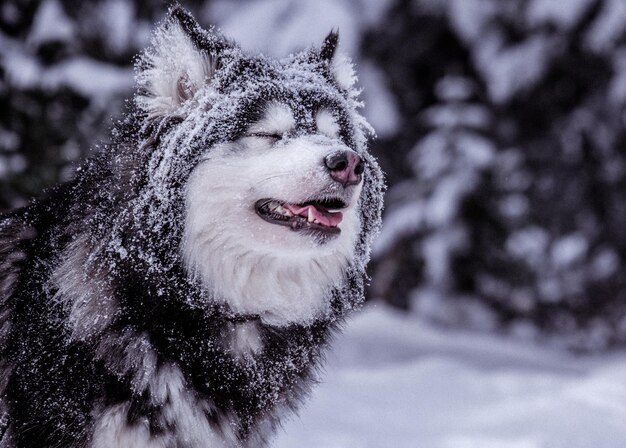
(168, 377)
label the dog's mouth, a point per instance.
(321, 215)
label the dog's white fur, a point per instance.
(87, 296)
(326, 123)
(181, 409)
(243, 340)
(265, 269)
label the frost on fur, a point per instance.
(172, 70)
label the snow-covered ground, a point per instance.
(393, 381)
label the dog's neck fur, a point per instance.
(280, 289)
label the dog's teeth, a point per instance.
(311, 218)
(315, 221)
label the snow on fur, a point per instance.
(172, 71)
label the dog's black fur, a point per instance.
(54, 380)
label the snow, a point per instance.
(403, 220)
(529, 243)
(8, 140)
(51, 24)
(563, 14)
(569, 249)
(606, 30)
(454, 88)
(117, 20)
(89, 77)
(283, 26)
(469, 17)
(605, 263)
(508, 70)
(395, 381)
(617, 87)
(514, 206)
(22, 69)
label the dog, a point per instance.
(180, 291)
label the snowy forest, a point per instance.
(497, 300)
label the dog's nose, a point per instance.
(346, 167)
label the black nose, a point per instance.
(346, 167)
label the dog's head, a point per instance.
(280, 196)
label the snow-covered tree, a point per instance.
(65, 69)
(533, 231)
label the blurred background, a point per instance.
(501, 129)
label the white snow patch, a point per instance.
(617, 87)
(51, 24)
(605, 263)
(469, 17)
(606, 30)
(454, 88)
(380, 106)
(10, 13)
(514, 205)
(508, 70)
(563, 14)
(399, 222)
(529, 243)
(9, 140)
(457, 115)
(394, 381)
(21, 69)
(569, 249)
(279, 27)
(117, 18)
(89, 77)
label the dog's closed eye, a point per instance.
(269, 135)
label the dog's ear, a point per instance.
(182, 59)
(339, 64)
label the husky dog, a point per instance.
(179, 292)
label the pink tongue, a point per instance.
(331, 219)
